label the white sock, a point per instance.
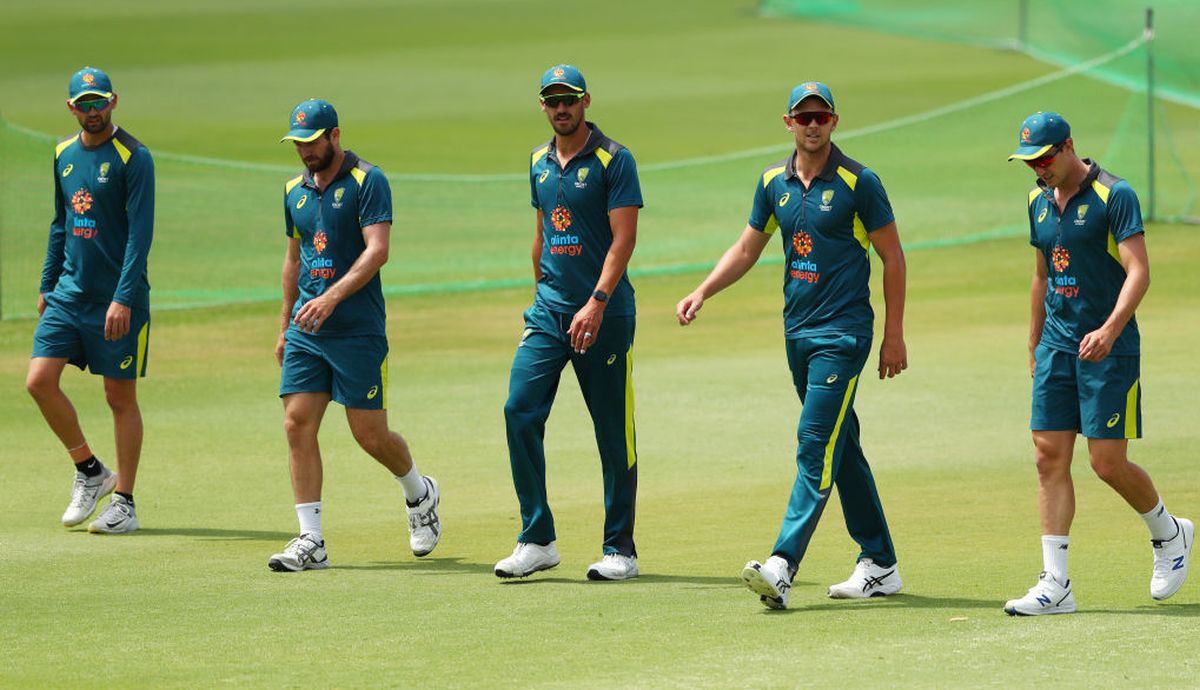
(1162, 525)
(414, 485)
(1054, 556)
(310, 519)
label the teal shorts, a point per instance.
(1098, 399)
(75, 331)
(353, 369)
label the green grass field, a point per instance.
(441, 95)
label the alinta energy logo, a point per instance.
(321, 267)
(565, 243)
(1061, 258)
(801, 268)
(81, 201)
(802, 243)
(1064, 285)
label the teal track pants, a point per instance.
(604, 373)
(825, 371)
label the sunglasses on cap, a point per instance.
(93, 104)
(821, 117)
(567, 99)
(1047, 158)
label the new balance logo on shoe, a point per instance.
(1179, 560)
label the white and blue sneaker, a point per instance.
(1048, 596)
(85, 492)
(868, 580)
(770, 581)
(1171, 560)
(118, 517)
(613, 566)
(302, 553)
(528, 559)
(424, 525)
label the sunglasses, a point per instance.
(94, 104)
(567, 99)
(805, 119)
(1047, 158)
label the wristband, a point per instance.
(600, 296)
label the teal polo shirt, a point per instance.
(103, 222)
(1082, 261)
(825, 230)
(329, 226)
(576, 234)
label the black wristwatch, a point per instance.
(600, 296)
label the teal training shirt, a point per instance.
(329, 226)
(103, 222)
(576, 234)
(825, 241)
(1082, 260)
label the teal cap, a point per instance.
(1039, 133)
(89, 80)
(310, 119)
(567, 75)
(810, 88)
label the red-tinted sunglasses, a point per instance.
(805, 119)
(1047, 158)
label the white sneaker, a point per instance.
(1044, 598)
(85, 493)
(613, 566)
(117, 518)
(1171, 560)
(527, 559)
(770, 581)
(301, 553)
(868, 580)
(424, 525)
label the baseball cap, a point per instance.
(89, 80)
(567, 75)
(1039, 132)
(310, 119)
(810, 88)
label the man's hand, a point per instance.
(1096, 345)
(116, 321)
(893, 357)
(279, 346)
(686, 310)
(314, 313)
(585, 327)
(41, 303)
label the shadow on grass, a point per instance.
(895, 601)
(431, 565)
(1168, 610)
(557, 576)
(211, 534)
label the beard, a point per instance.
(323, 161)
(566, 128)
(96, 126)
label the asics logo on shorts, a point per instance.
(524, 334)
(1112, 421)
(373, 392)
(832, 378)
(126, 362)
(611, 359)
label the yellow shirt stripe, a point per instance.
(604, 156)
(63, 146)
(772, 174)
(538, 154)
(850, 178)
(123, 152)
(358, 175)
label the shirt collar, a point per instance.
(349, 160)
(827, 173)
(1092, 173)
(594, 140)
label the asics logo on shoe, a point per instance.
(873, 582)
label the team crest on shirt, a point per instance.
(1080, 214)
(81, 201)
(103, 173)
(320, 241)
(826, 197)
(580, 178)
(337, 196)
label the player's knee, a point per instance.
(1108, 469)
(297, 426)
(39, 387)
(120, 399)
(519, 413)
(372, 442)
(1051, 463)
